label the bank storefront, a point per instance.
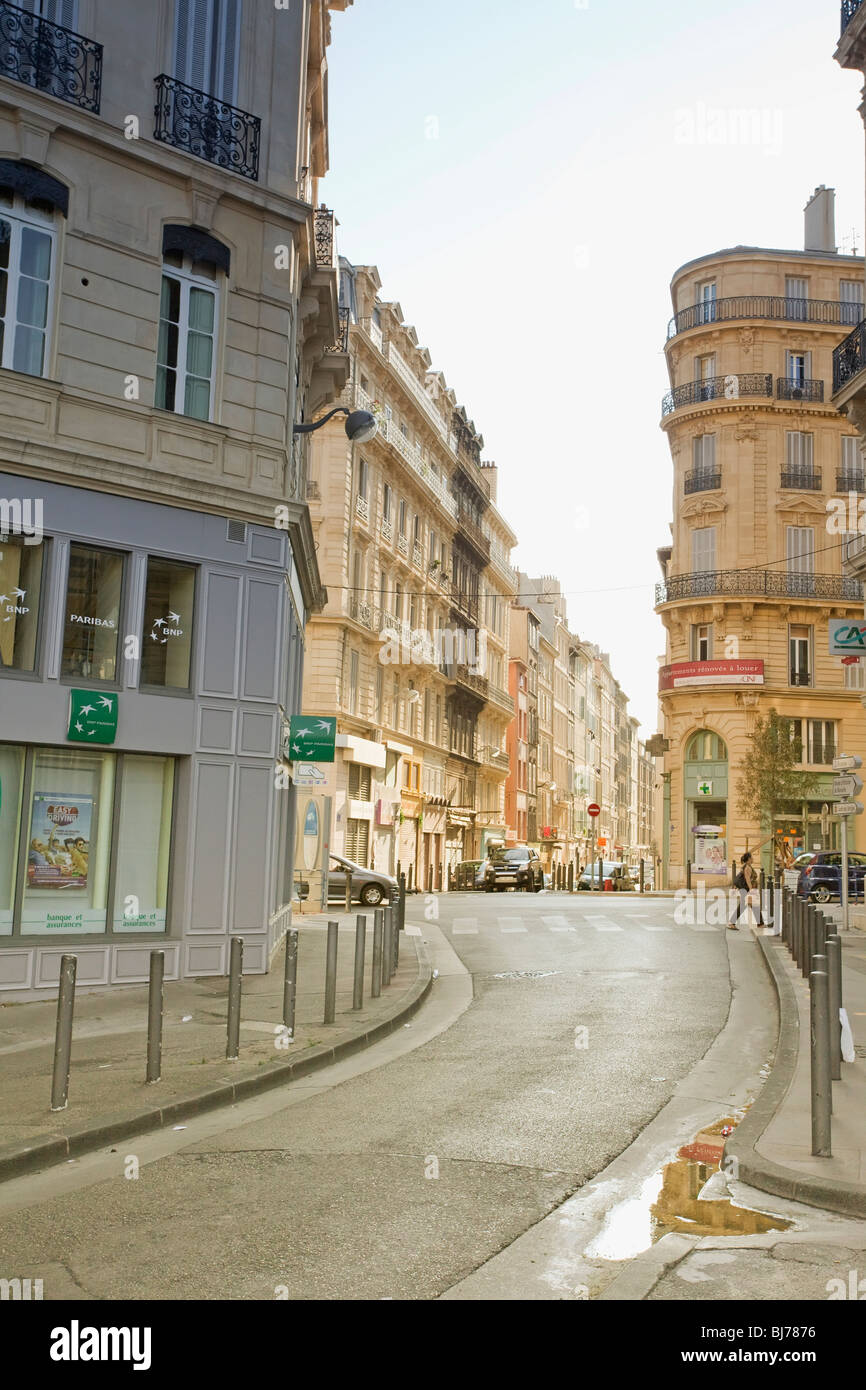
(149, 656)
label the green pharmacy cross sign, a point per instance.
(92, 717)
(312, 739)
(705, 788)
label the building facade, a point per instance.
(410, 650)
(171, 309)
(753, 579)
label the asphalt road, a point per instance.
(401, 1181)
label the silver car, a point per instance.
(368, 886)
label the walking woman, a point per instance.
(746, 882)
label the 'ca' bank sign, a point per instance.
(847, 638)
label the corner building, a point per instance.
(754, 574)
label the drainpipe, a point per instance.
(666, 832)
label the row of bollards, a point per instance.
(388, 924)
(817, 952)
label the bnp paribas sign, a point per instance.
(92, 716)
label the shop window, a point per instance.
(68, 843)
(21, 568)
(92, 616)
(26, 272)
(143, 844)
(166, 646)
(186, 349)
(11, 783)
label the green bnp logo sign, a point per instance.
(311, 738)
(92, 717)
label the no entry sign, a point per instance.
(593, 809)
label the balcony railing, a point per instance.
(417, 555)
(206, 127)
(500, 698)
(50, 58)
(802, 479)
(474, 534)
(342, 341)
(702, 480)
(717, 388)
(362, 508)
(403, 546)
(764, 306)
(851, 482)
(849, 9)
(849, 357)
(324, 235)
(757, 583)
(464, 604)
(464, 676)
(790, 389)
(799, 678)
(387, 529)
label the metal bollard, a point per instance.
(331, 973)
(388, 945)
(63, 1032)
(834, 970)
(290, 981)
(795, 927)
(348, 892)
(820, 1044)
(154, 1016)
(236, 970)
(396, 934)
(378, 934)
(429, 878)
(401, 905)
(806, 943)
(360, 948)
(641, 879)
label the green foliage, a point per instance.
(769, 775)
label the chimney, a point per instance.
(820, 220)
(491, 473)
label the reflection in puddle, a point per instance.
(670, 1201)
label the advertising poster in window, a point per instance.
(59, 850)
(710, 853)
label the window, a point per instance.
(363, 478)
(851, 296)
(360, 782)
(797, 295)
(186, 348)
(11, 781)
(357, 846)
(380, 691)
(166, 647)
(383, 591)
(851, 463)
(704, 454)
(855, 677)
(207, 39)
(706, 300)
(705, 370)
(401, 526)
(702, 642)
(814, 740)
(143, 843)
(26, 269)
(21, 568)
(398, 601)
(799, 453)
(395, 700)
(386, 502)
(92, 616)
(800, 550)
(63, 12)
(416, 530)
(703, 549)
(434, 549)
(353, 682)
(798, 368)
(799, 651)
(706, 747)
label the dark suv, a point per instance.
(514, 868)
(822, 879)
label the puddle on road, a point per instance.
(669, 1201)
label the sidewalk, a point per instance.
(773, 1144)
(108, 1096)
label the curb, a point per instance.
(832, 1194)
(49, 1151)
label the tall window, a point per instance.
(27, 236)
(207, 41)
(851, 296)
(401, 527)
(798, 368)
(363, 478)
(186, 350)
(166, 649)
(706, 299)
(92, 617)
(851, 463)
(855, 677)
(703, 549)
(799, 453)
(800, 553)
(704, 454)
(380, 690)
(360, 782)
(702, 642)
(21, 586)
(800, 654)
(386, 502)
(797, 295)
(705, 370)
(353, 683)
(814, 740)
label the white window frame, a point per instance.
(205, 29)
(702, 637)
(800, 549)
(19, 216)
(798, 646)
(704, 453)
(189, 282)
(799, 452)
(703, 547)
(851, 296)
(851, 459)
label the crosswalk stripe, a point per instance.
(504, 928)
(574, 929)
(555, 921)
(464, 926)
(607, 926)
(656, 928)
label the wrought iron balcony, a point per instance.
(342, 342)
(324, 226)
(849, 357)
(758, 583)
(851, 482)
(802, 479)
(764, 306)
(473, 533)
(206, 127)
(799, 678)
(849, 9)
(467, 677)
(717, 388)
(793, 389)
(50, 58)
(702, 480)
(500, 698)
(463, 604)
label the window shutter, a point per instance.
(704, 549)
(800, 549)
(230, 42)
(850, 455)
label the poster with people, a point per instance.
(710, 848)
(59, 850)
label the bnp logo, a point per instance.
(92, 717)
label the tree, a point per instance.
(769, 776)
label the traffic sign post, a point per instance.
(848, 786)
(592, 810)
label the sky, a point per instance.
(528, 177)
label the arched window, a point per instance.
(706, 747)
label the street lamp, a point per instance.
(361, 426)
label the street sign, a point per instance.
(92, 717)
(847, 786)
(846, 762)
(847, 808)
(593, 809)
(311, 739)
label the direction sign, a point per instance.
(593, 809)
(847, 785)
(311, 738)
(846, 762)
(847, 808)
(309, 775)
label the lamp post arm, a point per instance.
(308, 429)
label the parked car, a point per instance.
(516, 868)
(608, 866)
(466, 874)
(368, 887)
(634, 870)
(821, 880)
